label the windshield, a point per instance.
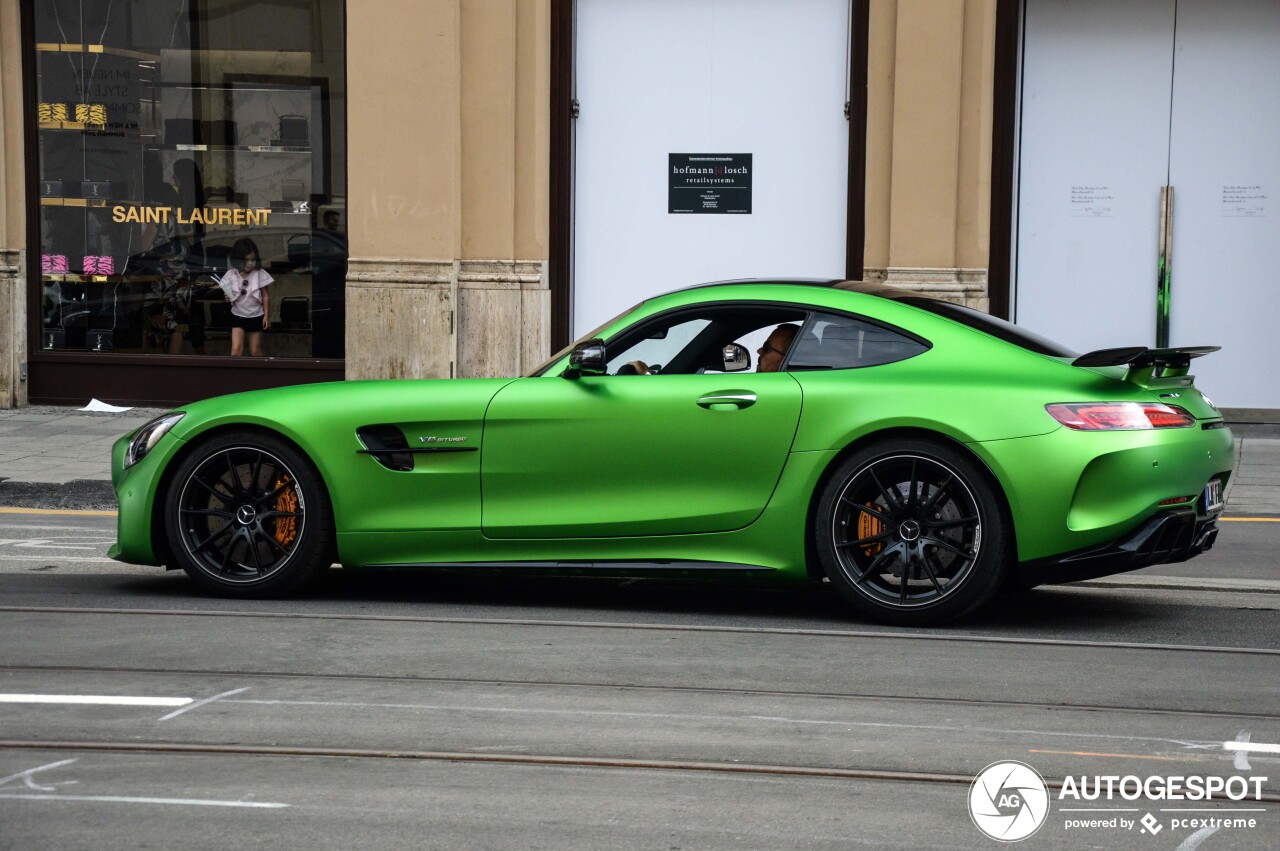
(595, 332)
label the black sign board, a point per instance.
(709, 183)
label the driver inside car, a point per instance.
(775, 348)
(771, 353)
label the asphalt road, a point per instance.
(394, 710)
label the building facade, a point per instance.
(458, 187)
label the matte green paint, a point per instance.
(613, 455)
(632, 468)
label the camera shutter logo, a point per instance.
(1008, 801)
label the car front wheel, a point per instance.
(248, 516)
(909, 532)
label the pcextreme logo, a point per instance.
(1009, 801)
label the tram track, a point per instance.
(879, 635)
(956, 702)
(541, 760)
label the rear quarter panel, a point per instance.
(1065, 489)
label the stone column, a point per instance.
(13, 212)
(13, 327)
(930, 79)
(405, 308)
(447, 215)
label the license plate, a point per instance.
(1213, 496)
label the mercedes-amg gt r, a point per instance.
(918, 454)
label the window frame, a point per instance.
(693, 310)
(809, 311)
(811, 320)
(154, 379)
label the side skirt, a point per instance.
(594, 568)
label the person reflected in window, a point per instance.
(775, 348)
(162, 196)
(246, 286)
(189, 186)
(177, 316)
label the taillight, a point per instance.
(1119, 416)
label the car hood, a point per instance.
(306, 409)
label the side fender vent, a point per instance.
(388, 445)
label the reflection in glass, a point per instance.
(168, 131)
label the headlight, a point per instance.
(148, 436)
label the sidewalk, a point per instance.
(61, 458)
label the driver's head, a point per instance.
(775, 348)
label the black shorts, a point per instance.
(248, 323)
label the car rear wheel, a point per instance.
(248, 516)
(910, 532)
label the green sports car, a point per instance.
(916, 453)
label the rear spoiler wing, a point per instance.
(1147, 365)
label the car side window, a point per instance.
(833, 341)
(660, 346)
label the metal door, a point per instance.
(1127, 108)
(662, 77)
(1092, 161)
(1225, 174)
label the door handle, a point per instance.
(737, 400)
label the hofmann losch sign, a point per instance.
(709, 183)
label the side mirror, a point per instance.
(736, 358)
(587, 358)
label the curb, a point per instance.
(88, 494)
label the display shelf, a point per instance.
(57, 47)
(79, 126)
(86, 202)
(256, 149)
(100, 279)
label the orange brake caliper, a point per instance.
(869, 526)
(286, 527)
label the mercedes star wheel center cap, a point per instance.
(246, 514)
(909, 530)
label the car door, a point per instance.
(634, 455)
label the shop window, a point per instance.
(172, 137)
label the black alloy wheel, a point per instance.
(911, 533)
(248, 516)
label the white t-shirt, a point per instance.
(248, 300)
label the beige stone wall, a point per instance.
(447, 208)
(449, 149)
(930, 71)
(13, 216)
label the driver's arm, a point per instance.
(635, 367)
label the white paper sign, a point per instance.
(1092, 201)
(1247, 202)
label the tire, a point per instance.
(910, 532)
(248, 516)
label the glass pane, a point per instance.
(665, 343)
(176, 141)
(832, 341)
